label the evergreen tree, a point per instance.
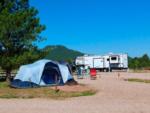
(139, 62)
(144, 60)
(19, 30)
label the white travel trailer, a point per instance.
(90, 61)
(105, 62)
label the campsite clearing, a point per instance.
(115, 95)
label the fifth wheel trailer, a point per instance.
(90, 61)
(104, 63)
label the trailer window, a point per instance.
(107, 59)
(113, 58)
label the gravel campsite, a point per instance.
(75, 56)
(115, 94)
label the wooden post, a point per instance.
(56, 85)
(118, 75)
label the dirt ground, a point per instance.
(114, 96)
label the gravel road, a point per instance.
(114, 96)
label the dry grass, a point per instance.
(138, 80)
(139, 71)
(44, 92)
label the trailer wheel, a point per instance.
(102, 70)
(107, 70)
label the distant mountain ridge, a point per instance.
(61, 53)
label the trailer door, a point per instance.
(98, 63)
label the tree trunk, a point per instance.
(8, 76)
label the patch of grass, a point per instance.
(44, 92)
(139, 71)
(8, 96)
(85, 93)
(3, 85)
(138, 80)
(62, 94)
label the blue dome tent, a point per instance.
(42, 73)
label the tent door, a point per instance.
(50, 76)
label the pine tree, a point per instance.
(19, 31)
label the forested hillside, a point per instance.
(61, 53)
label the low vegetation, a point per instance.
(138, 63)
(138, 80)
(44, 92)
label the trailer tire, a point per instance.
(107, 70)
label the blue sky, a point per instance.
(97, 26)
